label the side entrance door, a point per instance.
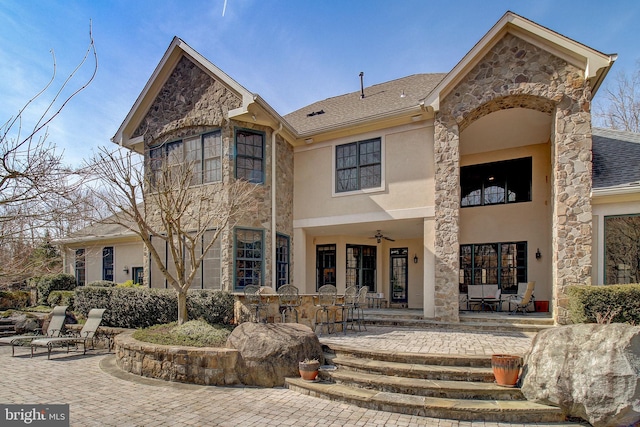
(398, 272)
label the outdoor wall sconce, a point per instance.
(538, 254)
(415, 259)
(126, 270)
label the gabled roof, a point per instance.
(595, 64)
(379, 100)
(616, 159)
(176, 50)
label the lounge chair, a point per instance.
(522, 300)
(87, 334)
(55, 329)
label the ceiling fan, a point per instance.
(379, 236)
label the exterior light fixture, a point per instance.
(415, 259)
(126, 270)
(538, 254)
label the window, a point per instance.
(359, 165)
(250, 155)
(248, 258)
(496, 183)
(81, 274)
(504, 264)
(208, 274)
(622, 249)
(325, 265)
(361, 266)
(282, 260)
(107, 263)
(202, 152)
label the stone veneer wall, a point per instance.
(192, 102)
(517, 74)
(194, 365)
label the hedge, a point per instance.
(56, 282)
(614, 303)
(14, 299)
(102, 283)
(144, 307)
(62, 298)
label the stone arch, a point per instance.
(532, 102)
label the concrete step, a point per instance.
(458, 360)
(437, 407)
(430, 388)
(415, 370)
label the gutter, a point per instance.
(274, 271)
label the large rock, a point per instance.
(269, 352)
(589, 371)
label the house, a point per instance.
(417, 187)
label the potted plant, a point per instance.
(506, 369)
(309, 369)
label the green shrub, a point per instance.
(14, 299)
(102, 284)
(196, 333)
(604, 304)
(61, 298)
(128, 284)
(56, 282)
(141, 307)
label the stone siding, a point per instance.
(517, 74)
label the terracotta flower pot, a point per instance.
(506, 369)
(309, 370)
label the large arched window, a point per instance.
(496, 183)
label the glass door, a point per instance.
(398, 273)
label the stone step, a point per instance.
(458, 409)
(10, 327)
(458, 360)
(463, 326)
(415, 370)
(422, 387)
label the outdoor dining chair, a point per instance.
(324, 302)
(253, 299)
(348, 306)
(289, 301)
(361, 303)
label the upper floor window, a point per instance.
(496, 183)
(250, 155)
(203, 153)
(359, 165)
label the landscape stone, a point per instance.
(270, 352)
(590, 371)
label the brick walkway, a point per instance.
(101, 395)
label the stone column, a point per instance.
(447, 205)
(572, 217)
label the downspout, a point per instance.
(274, 272)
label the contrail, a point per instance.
(224, 8)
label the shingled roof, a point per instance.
(616, 158)
(378, 100)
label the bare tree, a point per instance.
(621, 107)
(174, 211)
(37, 191)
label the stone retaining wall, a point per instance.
(195, 365)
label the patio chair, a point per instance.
(55, 329)
(289, 301)
(361, 303)
(87, 334)
(486, 295)
(326, 299)
(347, 307)
(253, 299)
(522, 301)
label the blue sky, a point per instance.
(291, 52)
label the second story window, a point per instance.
(359, 165)
(250, 155)
(203, 153)
(496, 183)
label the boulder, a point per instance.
(24, 324)
(590, 371)
(269, 352)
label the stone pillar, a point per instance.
(447, 205)
(572, 217)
